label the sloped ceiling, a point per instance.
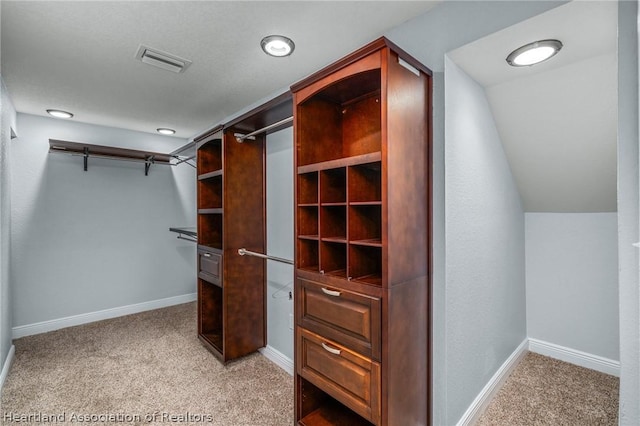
(557, 120)
(79, 55)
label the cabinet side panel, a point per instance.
(407, 355)
(407, 177)
(243, 281)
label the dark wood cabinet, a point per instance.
(363, 238)
(231, 301)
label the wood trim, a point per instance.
(206, 136)
(375, 45)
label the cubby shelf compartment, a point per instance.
(365, 183)
(333, 186)
(333, 223)
(308, 254)
(365, 223)
(365, 263)
(308, 188)
(308, 221)
(333, 258)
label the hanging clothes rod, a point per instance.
(240, 137)
(243, 251)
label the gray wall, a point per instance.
(485, 272)
(8, 121)
(88, 241)
(572, 280)
(280, 240)
(428, 38)
(628, 217)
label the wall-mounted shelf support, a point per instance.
(110, 153)
(187, 234)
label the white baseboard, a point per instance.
(56, 324)
(7, 366)
(487, 393)
(278, 358)
(573, 356)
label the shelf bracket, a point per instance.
(86, 158)
(147, 165)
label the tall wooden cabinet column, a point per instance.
(363, 240)
(231, 298)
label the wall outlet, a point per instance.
(290, 321)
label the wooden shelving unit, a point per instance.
(231, 215)
(363, 229)
(230, 202)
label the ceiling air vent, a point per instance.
(161, 59)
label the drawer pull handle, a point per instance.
(330, 349)
(207, 255)
(331, 292)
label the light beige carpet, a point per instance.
(545, 391)
(149, 365)
(149, 368)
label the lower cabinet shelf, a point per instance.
(320, 409)
(335, 414)
(214, 339)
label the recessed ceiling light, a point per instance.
(59, 113)
(277, 45)
(534, 53)
(166, 131)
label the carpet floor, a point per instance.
(545, 391)
(140, 369)
(150, 368)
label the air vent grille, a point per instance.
(163, 60)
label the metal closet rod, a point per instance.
(240, 138)
(243, 251)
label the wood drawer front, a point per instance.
(347, 376)
(210, 266)
(349, 318)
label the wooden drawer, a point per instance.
(349, 318)
(210, 266)
(347, 376)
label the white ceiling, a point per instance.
(79, 56)
(557, 120)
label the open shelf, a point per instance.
(365, 222)
(210, 230)
(211, 324)
(308, 188)
(342, 120)
(323, 410)
(333, 223)
(333, 186)
(308, 220)
(365, 183)
(210, 193)
(365, 263)
(308, 254)
(210, 157)
(333, 258)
